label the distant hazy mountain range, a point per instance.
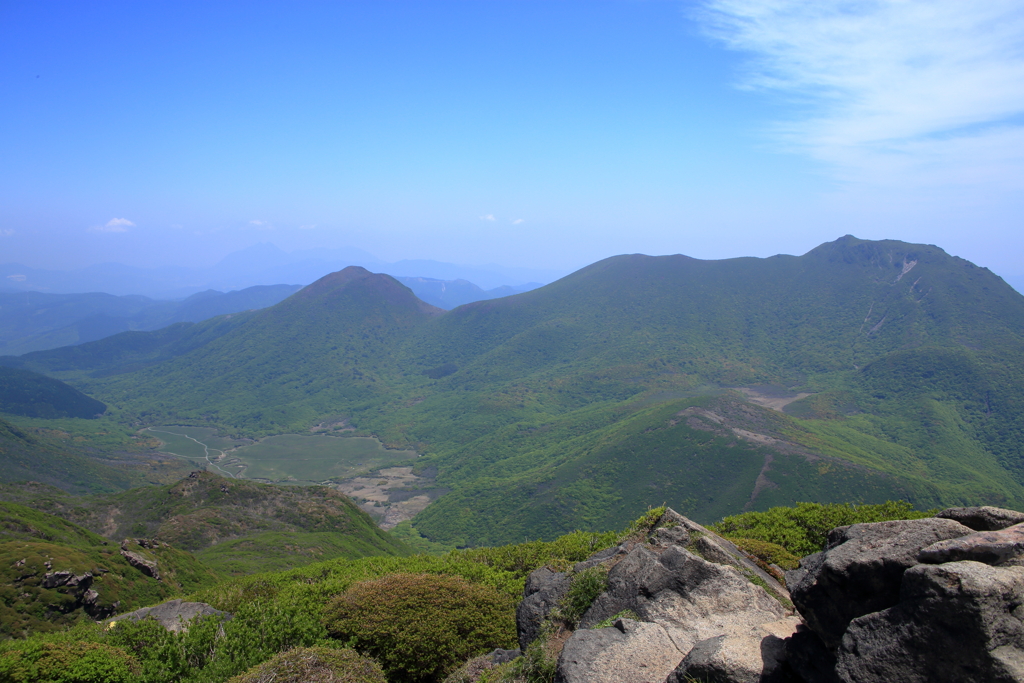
(861, 371)
(35, 321)
(262, 264)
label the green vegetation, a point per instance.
(420, 617)
(315, 665)
(67, 662)
(288, 458)
(316, 458)
(766, 554)
(610, 621)
(275, 612)
(82, 456)
(803, 529)
(582, 403)
(23, 392)
(584, 587)
(234, 526)
(420, 627)
(36, 548)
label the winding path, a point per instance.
(206, 449)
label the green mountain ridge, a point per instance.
(23, 392)
(34, 321)
(635, 381)
(231, 525)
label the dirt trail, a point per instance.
(206, 450)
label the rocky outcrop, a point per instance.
(984, 518)
(692, 598)
(630, 650)
(937, 600)
(954, 622)
(697, 606)
(173, 615)
(66, 578)
(544, 589)
(929, 600)
(991, 547)
(145, 565)
(860, 571)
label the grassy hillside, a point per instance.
(632, 382)
(234, 526)
(23, 392)
(54, 573)
(83, 456)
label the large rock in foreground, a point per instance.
(860, 571)
(955, 622)
(983, 518)
(641, 652)
(696, 606)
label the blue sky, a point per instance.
(545, 134)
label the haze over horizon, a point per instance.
(530, 134)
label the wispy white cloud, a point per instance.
(896, 92)
(488, 217)
(518, 221)
(7, 232)
(114, 225)
(311, 226)
(260, 225)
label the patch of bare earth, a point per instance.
(391, 495)
(771, 398)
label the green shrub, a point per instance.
(803, 529)
(420, 627)
(67, 662)
(315, 665)
(584, 588)
(610, 621)
(537, 665)
(560, 554)
(767, 553)
(640, 528)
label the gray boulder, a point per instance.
(955, 622)
(809, 659)
(693, 598)
(861, 570)
(733, 628)
(605, 556)
(731, 659)
(628, 651)
(984, 518)
(502, 656)
(173, 615)
(544, 588)
(1005, 546)
(711, 547)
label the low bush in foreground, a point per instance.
(67, 662)
(420, 627)
(315, 665)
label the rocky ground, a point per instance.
(918, 601)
